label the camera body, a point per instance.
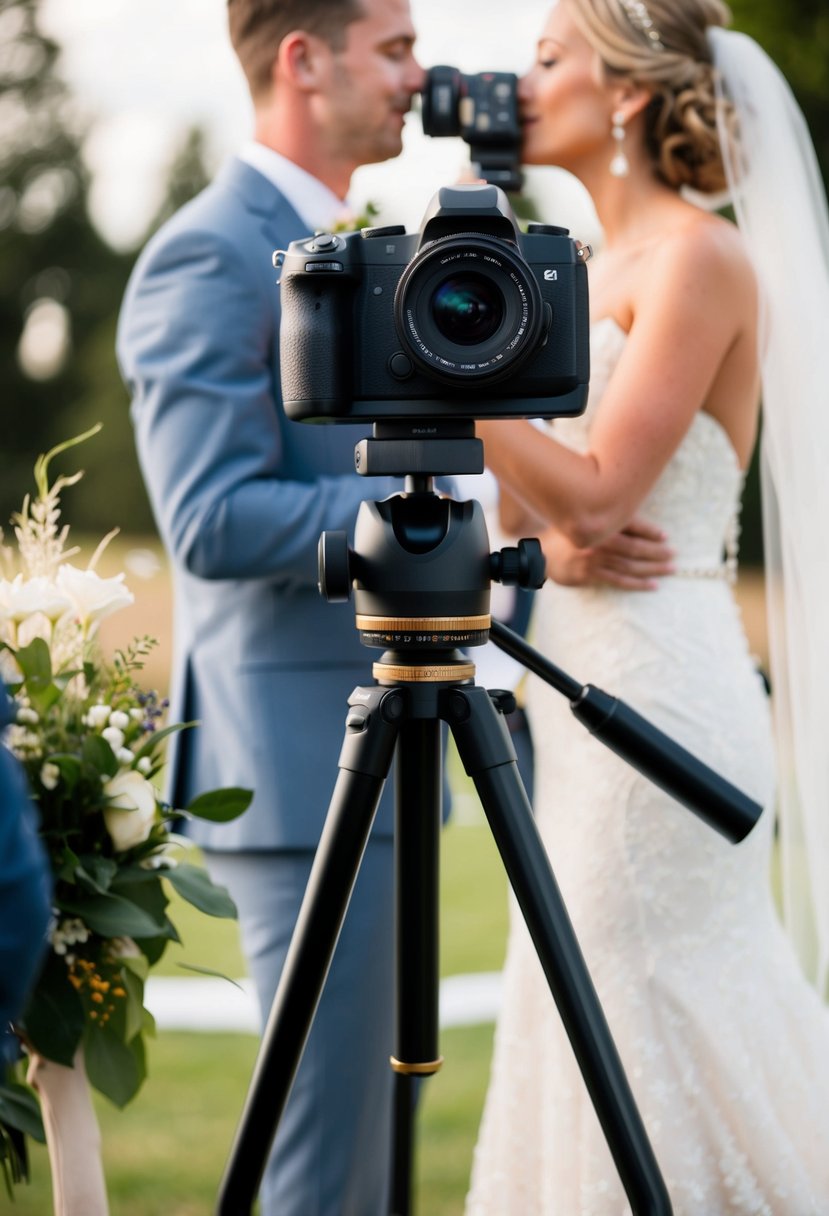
(467, 318)
(483, 110)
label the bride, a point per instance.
(724, 1042)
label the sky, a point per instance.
(143, 71)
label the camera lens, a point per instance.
(467, 309)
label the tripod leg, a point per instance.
(417, 851)
(489, 758)
(371, 734)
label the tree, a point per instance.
(61, 286)
(796, 35)
(58, 278)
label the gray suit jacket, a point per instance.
(241, 495)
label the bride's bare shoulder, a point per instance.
(704, 255)
(709, 243)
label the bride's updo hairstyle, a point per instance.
(662, 44)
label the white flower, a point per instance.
(27, 716)
(120, 719)
(97, 715)
(67, 933)
(24, 742)
(22, 599)
(130, 816)
(144, 765)
(123, 947)
(114, 737)
(49, 775)
(93, 597)
(137, 715)
(124, 756)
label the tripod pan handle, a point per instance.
(668, 765)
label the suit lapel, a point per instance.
(262, 198)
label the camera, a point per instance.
(483, 110)
(467, 318)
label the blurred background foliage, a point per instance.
(61, 284)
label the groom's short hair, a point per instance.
(257, 27)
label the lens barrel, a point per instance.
(468, 309)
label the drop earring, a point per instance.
(619, 166)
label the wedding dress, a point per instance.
(724, 1043)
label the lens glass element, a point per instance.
(467, 308)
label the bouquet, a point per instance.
(92, 744)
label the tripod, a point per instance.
(421, 570)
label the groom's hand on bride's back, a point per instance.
(631, 560)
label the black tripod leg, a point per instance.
(489, 758)
(417, 850)
(371, 734)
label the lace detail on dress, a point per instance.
(699, 513)
(725, 1044)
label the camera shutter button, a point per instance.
(400, 366)
(325, 240)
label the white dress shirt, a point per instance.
(313, 201)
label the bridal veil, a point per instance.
(780, 205)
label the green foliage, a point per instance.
(86, 735)
(796, 35)
(19, 1117)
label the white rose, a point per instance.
(22, 599)
(93, 597)
(124, 756)
(120, 719)
(132, 809)
(144, 765)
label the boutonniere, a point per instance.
(353, 223)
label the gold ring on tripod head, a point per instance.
(423, 624)
(423, 673)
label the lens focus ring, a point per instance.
(468, 309)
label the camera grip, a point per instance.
(315, 347)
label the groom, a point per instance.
(241, 496)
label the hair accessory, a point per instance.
(640, 18)
(619, 166)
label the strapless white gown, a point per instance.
(725, 1044)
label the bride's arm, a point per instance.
(699, 300)
(514, 517)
